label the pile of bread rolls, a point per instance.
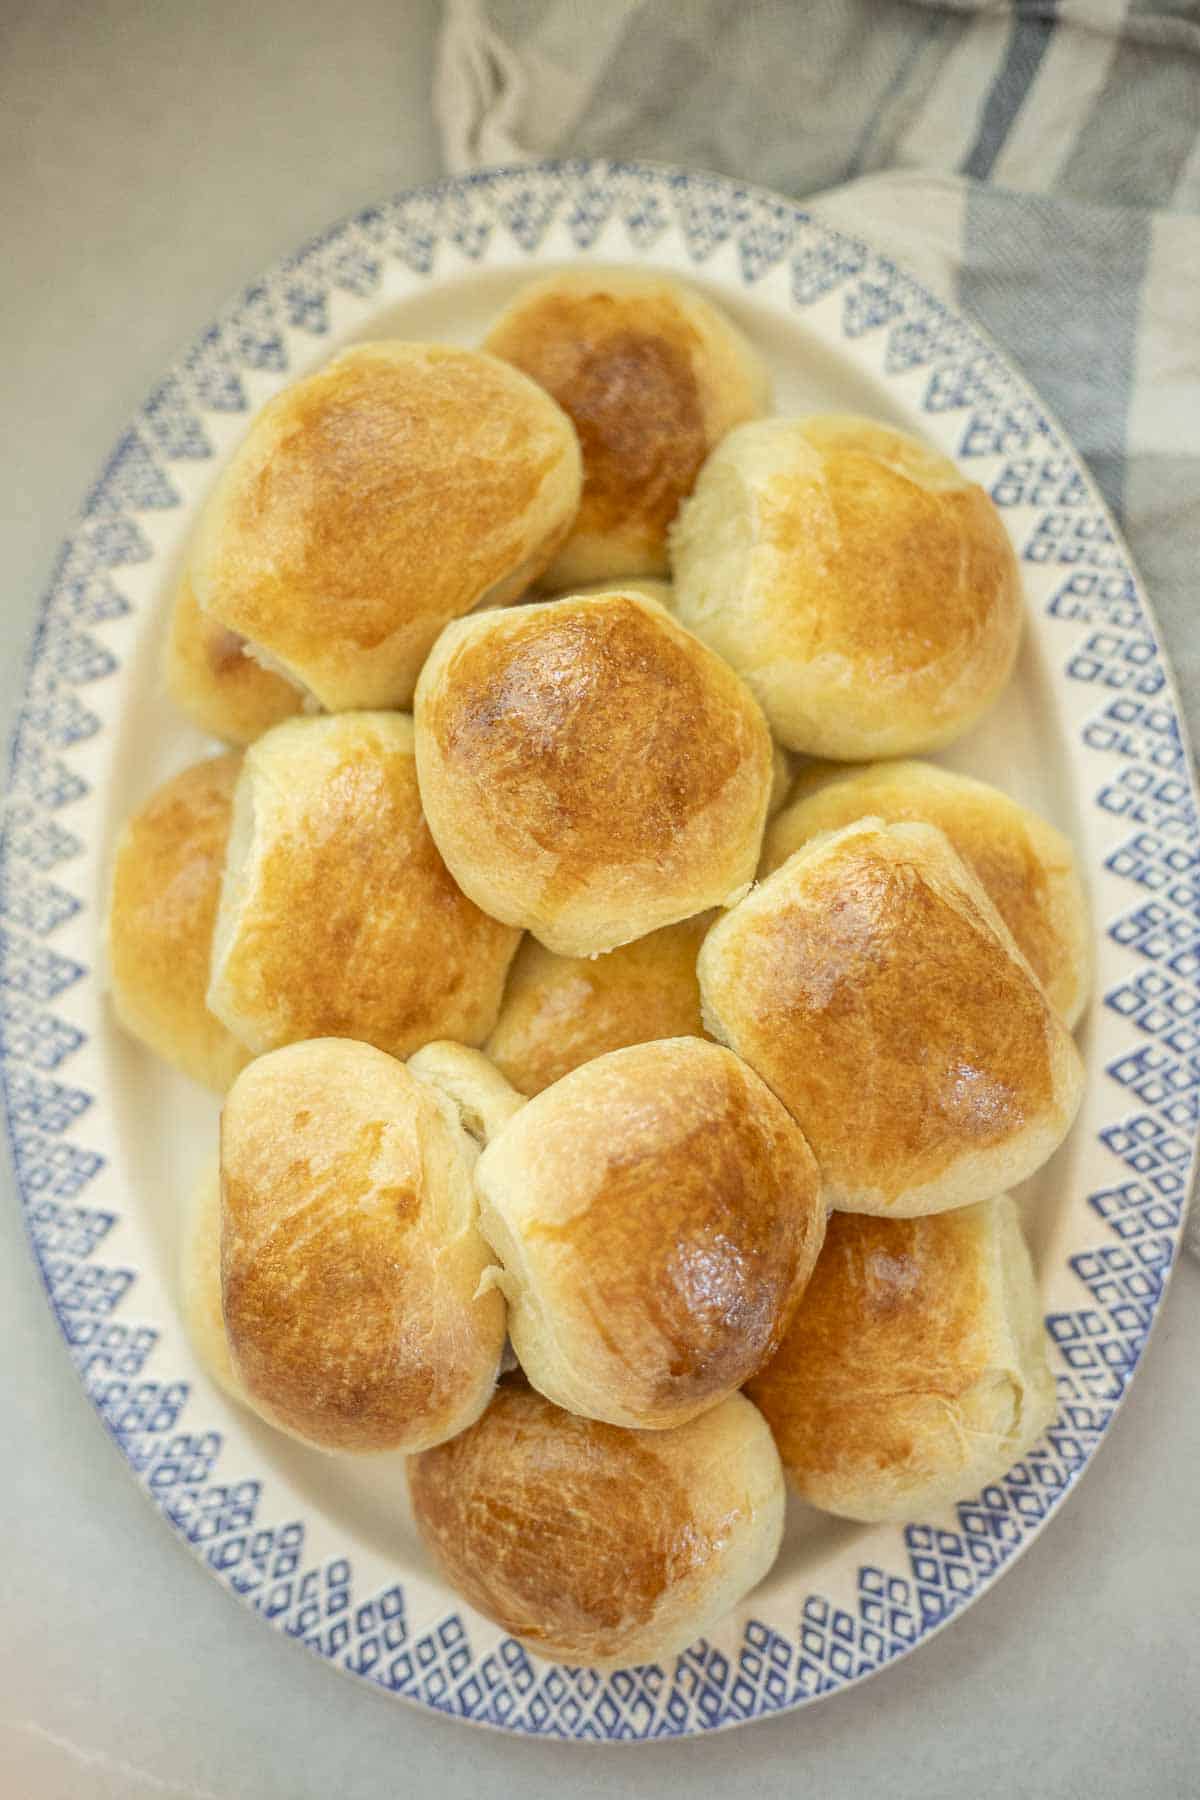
(569, 1014)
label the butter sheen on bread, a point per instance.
(865, 590)
(652, 376)
(873, 985)
(351, 1261)
(589, 770)
(1029, 870)
(915, 1370)
(598, 1546)
(656, 1214)
(400, 486)
(338, 916)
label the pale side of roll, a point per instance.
(652, 376)
(865, 590)
(352, 1268)
(915, 1371)
(589, 769)
(214, 679)
(595, 1546)
(656, 1214)
(400, 486)
(200, 1282)
(1029, 869)
(162, 902)
(338, 917)
(873, 985)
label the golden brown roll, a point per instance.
(162, 902)
(915, 1369)
(560, 1011)
(647, 586)
(864, 589)
(873, 985)
(397, 488)
(351, 1261)
(200, 1282)
(652, 378)
(596, 1546)
(212, 678)
(589, 770)
(656, 1214)
(1027, 867)
(338, 918)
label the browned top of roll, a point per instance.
(561, 1011)
(163, 901)
(590, 755)
(341, 918)
(878, 543)
(550, 1523)
(651, 377)
(376, 499)
(1027, 867)
(867, 984)
(349, 1255)
(213, 680)
(595, 1544)
(669, 1214)
(895, 1308)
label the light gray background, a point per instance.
(152, 160)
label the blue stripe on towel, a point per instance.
(1059, 285)
(1032, 30)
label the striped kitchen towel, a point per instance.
(1038, 162)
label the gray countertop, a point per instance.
(153, 158)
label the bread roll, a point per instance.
(864, 589)
(200, 1282)
(397, 488)
(351, 1262)
(216, 682)
(661, 592)
(652, 377)
(915, 1369)
(338, 917)
(873, 985)
(589, 770)
(162, 902)
(560, 1011)
(1027, 867)
(657, 1215)
(596, 1546)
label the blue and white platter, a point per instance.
(105, 1141)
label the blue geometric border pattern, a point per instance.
(1149, 1143)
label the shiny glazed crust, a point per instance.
(351, 1260)
(915, 1370)
(396, 488)
(598, 1546)
(162, 902)
(652, 377)
(337, 916)
(873, 985)
(589, 769)
(657, 1214)
(862, 587)
(1029, 869)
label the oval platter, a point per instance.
(104, 1140)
